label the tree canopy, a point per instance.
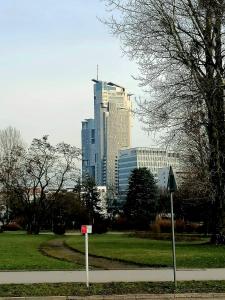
(179, 47)
(37, 173)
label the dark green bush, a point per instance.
(100, 225)
(59, 228)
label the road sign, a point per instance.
(86, 229)
(171, 184)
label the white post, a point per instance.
(86, 259)
(173, 241)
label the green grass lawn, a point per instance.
(21, 252)
(154, 253)
(117, 288)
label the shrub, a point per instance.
(140, 223)
(59, 228)
(180, 226)
(167, 236)
(120, 223)
(165, 225)
(101, 225)
(12, 226)
(155, 227)
(100, 228)
(192, 227)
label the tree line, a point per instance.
(34, 182)
(41, 189)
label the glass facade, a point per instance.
(107, 133)
(112, 114)
(151, 158)
(88, 147)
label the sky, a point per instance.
(48, 55)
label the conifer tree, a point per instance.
(141, 202)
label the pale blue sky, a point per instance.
(48, 56)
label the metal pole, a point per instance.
(173, 241)
(86, 259)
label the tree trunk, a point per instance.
(216, 134)
(214, 87)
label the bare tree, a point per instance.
(11, 148)
(11, 145)
(195, 157)
(43, 170)
(179, 46)
(10, 138)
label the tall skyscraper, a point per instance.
(112, 122)
(112, 114)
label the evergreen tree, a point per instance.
(91, 198)
(141, 202)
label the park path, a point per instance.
(58, 249)
(154, 275)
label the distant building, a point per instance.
(111, 132)
(112, 114)
(88, 147)
(164, 173)
(163, 177)
(153, 159)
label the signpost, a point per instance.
(172, 187)
(86, 229)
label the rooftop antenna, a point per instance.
(97, 72)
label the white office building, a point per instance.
(153, 159)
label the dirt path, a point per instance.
(57, 248)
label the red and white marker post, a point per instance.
(86, 229)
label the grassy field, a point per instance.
(21, 252)
(152, 252)
(76, 289)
